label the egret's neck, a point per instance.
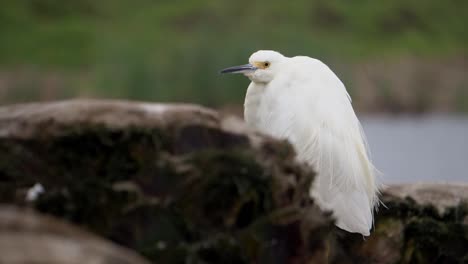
(253, 100)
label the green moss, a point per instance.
(201, 195)
(231, 188)
(189, 194)
(428, 236)
(435, 240)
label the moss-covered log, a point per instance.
(180, 183)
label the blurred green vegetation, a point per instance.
(173, 50)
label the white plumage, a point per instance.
(300, 99)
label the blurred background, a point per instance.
(404, 62)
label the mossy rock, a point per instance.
(177, 183)
(416, 223)
(183, 184)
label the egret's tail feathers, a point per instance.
(351, 209)
(346, 182)
(353, 213)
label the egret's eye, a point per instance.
(266, 64)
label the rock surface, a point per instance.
(176, 183)
(27, 237)
(419, 223)
(442, 196)
(181, 183)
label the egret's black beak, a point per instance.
(240, 69)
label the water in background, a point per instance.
(426, 148)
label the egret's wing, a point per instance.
(344, 182)
(326, 133)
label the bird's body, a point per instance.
(300, 99)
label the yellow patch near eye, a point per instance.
(261, 64)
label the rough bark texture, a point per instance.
(182, 184)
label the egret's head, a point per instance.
(262, 67)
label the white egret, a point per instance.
(300, 99)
